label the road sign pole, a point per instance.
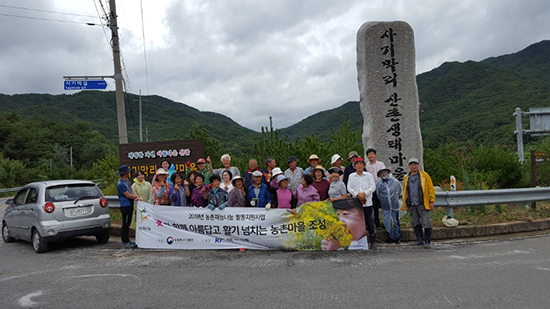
(450, 210)
(519, 134)
(121, 112)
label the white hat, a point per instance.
(161, 171)
(276, 171)
(450, 222)
(335, 158)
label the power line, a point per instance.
(44, 11)
(49, 19)
(103, 24)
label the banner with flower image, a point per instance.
(313, 226)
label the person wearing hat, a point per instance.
(258, 196)
(373, 166)
(205, 169)
(293, 173)
(237, 196)
(319, 182)
(283, 197)
(418, 200)
(313, 161)
(126, 198)
(389, 190)
(336, 161)
(161, 188)
(361, 185)
(274, 174)
(350, 169)
(337, 189)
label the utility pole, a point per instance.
(140, 117)
(121, 112)
(147, 134)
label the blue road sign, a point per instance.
(85, 84)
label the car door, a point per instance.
(13, 213)
(28, 212)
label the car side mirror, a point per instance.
(9, 202)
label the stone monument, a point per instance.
(389, 95)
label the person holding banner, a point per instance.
(161, 188)
(217, 197)
(199, 196)
(237, 196)
(258, 196)
(361, 185)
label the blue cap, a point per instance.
(290, 159)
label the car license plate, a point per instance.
(73, 212)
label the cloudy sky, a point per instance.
(248, 59)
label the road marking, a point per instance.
(26, 300)
(542, 268)
(447, 299)
(109, 275)
(491, 255)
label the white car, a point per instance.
(51, 211)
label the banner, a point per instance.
(313, 226)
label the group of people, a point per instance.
(369, 181)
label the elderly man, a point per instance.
(361, 185)
(350, 169)
(373, 166)
(271, 164)
(252, 167)
(418, 199)
(258, 196)
(226, 162)
(294, 174)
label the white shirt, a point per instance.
(364, 183)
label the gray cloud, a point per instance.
(252, 59)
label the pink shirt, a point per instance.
(284, 197)
(373, 169)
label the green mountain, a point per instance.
(464, 101)
(165, 119)
(461, 101)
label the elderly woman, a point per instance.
(336, 162)
(161, 188)
(306, 193)
(178, 194)
(322, 185)
(237, 196)
(337, 189)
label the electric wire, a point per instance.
(44, 11)
(50, 19)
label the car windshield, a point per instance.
(72, 192)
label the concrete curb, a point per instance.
(447, 233)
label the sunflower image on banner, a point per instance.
(328, 226)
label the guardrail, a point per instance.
(451, 199)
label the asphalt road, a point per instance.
(505, 273)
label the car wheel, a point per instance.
(102, 238)
(38, 243)
(6, 233)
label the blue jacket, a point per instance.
(263, 198)
(178, 198)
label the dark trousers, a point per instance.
(376, 205)
(127, 212)
(369, 219)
